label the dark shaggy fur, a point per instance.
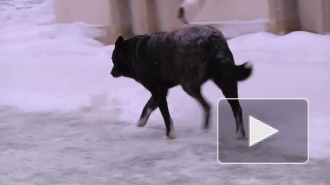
(187, 57)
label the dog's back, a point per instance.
(191, 53)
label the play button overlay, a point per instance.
(259, 131)
(276, 132)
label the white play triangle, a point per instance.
(259, 131)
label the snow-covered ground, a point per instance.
(65, 120)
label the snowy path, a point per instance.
(74, 148)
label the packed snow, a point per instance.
(65, 120)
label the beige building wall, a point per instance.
(131, 17)
(284, 16)
(224, 10)
(326, 19)
(95, 12)
(144, 16)
(167, 12)
(212, 10)
(112, 16)
(314, 15)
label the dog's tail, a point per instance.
(242, 72)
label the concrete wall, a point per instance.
(144, 16)
(211, 10)
(326, 19)
(224, 10)
(89, 11)
(167, 12)
(314, 15)
(284, 16)
(112, 16)
(131, 17)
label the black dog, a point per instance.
(189, 57)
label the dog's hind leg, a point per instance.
(195, 92)
(147, 110)
(229, 90)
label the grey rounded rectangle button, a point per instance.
(276, 132)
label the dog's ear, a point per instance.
(120, 42)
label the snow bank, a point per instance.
(38, 63)
(43, 63)
(26, 12)
(294, 47)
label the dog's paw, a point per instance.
(240, 136)
(171, 135)
(141, 123)
(206, 128)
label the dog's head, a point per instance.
(120, 59)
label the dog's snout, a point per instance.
(115, 73)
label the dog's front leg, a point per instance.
(167, 118)
(147, 110)
(160, 97)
